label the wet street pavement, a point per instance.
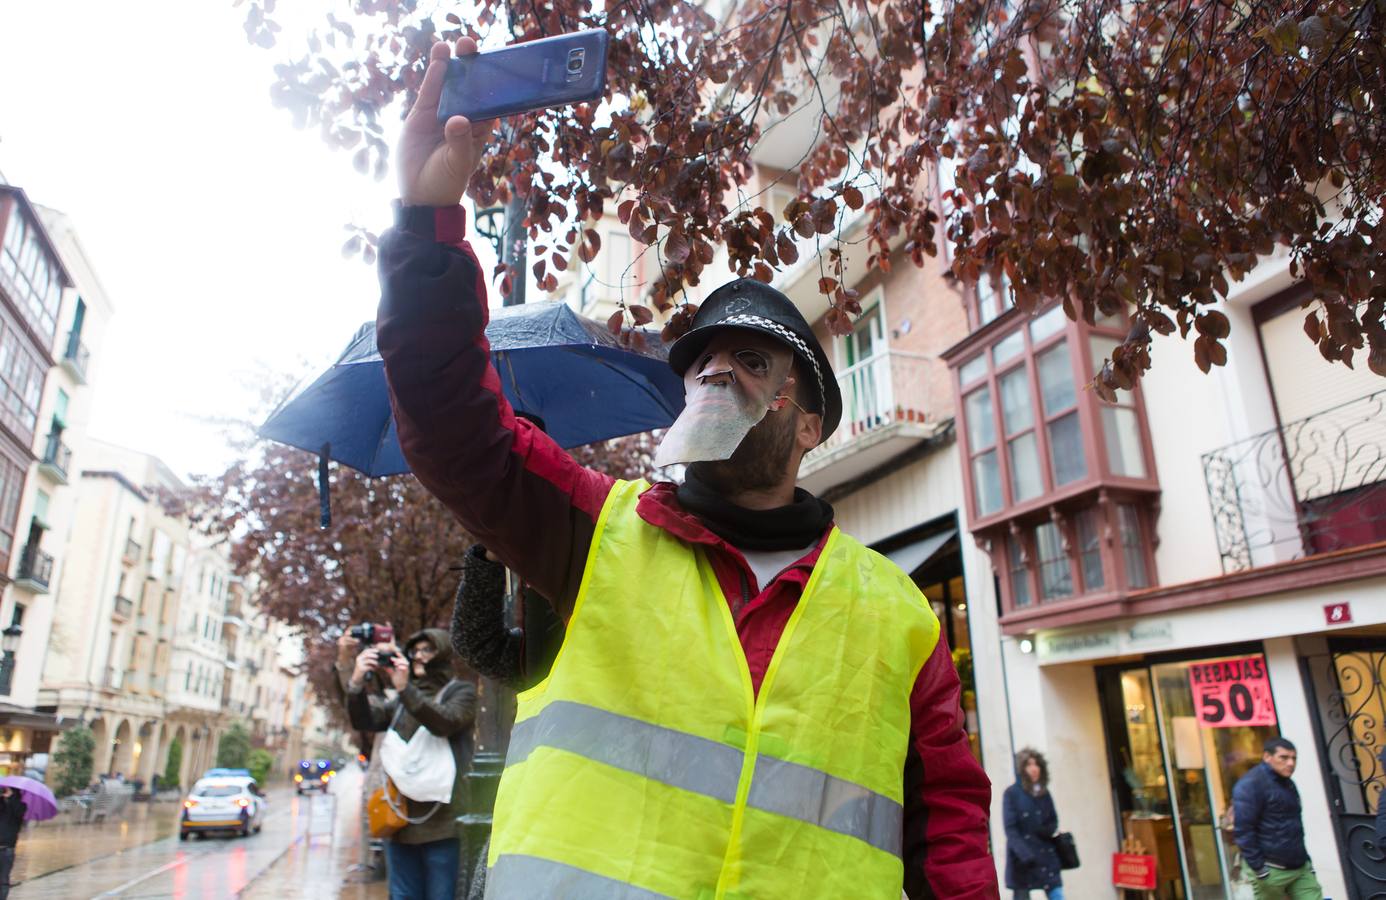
(305, 850)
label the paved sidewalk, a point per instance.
(319, 865)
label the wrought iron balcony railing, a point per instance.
(1312, 486)
(124, 606)
(76, 357)
(57, 457)
(35, 568)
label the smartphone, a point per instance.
(553, 71)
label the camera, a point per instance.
(386, 659)
(369, 633)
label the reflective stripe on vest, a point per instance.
(702, 766)
(648, 765)
(517, 875)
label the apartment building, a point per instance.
(1226, 527)
(53, 311)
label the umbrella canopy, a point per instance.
(39, 802)
(570, 371)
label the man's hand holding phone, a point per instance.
(436, 159)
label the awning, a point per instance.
(911, 556)
(23, 717)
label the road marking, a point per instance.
(115, 891)
(183, 858)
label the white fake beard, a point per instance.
(712, 425)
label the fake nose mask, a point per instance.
(726, 395)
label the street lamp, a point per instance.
(9, 643)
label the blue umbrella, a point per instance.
(570, 371)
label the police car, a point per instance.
(222, 803)
(314, 775)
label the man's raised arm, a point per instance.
(510, 485)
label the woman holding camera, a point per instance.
(423, 855)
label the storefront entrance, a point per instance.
(1175, 757)
(1347, 686)
(931, 555)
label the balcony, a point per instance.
(132, 551)
(124, 608)
(888, 407)
(35, 570)
(1313, 486)
(57, 459)
(76, 357)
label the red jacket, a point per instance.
(536, 508)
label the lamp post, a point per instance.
(9, 644)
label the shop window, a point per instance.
(1154, 731)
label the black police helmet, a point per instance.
(750, 304)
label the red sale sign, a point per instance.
(1232, 692)
(1135, 871)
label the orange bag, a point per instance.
(383, 811)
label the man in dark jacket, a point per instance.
(1269, 829)
(537, 509)
(423, 856)
(12, 810)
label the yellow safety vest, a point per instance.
(646, 766)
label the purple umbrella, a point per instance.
(39, 803)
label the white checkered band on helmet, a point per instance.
(794, 340)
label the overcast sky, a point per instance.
(215, 227)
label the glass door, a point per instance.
(866, 377)
(1205, 764)
(1176, 778)
(1146, 813)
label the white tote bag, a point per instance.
(423, 768)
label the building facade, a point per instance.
(155, 642)
(1212, 578)
(53, 311)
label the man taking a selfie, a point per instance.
(748, 702)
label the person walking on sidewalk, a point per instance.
(1270, 829)
(747, 702)
(1032, 862)
(12, 809)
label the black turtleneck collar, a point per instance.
(800, 524)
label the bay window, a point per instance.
(1060, 483)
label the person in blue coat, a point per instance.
(1032, 863)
